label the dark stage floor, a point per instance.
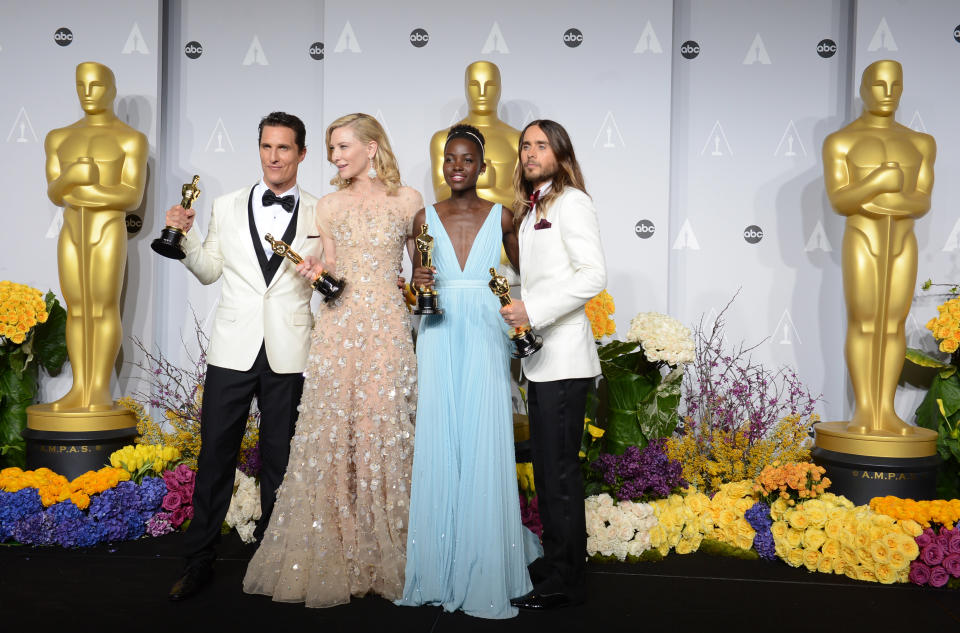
(123, 588)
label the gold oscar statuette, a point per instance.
(879, 176)
(169, 242)
(96, 170)
(525, 341)
(326, 284)
(426, 297)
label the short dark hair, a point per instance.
(468, 132)
(285, 120)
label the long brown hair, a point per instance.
(568, 170)
(367, 129)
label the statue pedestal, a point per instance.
(72, 442)
(862, 466)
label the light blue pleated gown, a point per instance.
(466, 546)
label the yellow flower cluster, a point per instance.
(831, 535)
(726, 511)
(134, 457)
(940, 511)
(525, 477)
(713, 459)
(946, 326)
(54, 488)
(21, 308)
(678, 524)
(598, 311)
(803, 479)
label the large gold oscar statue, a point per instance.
(482, 85)
(879, 175)
(96, 170)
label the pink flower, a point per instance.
(186, 493)
(179, 516)
(953, 544)
(932, 554)
(172, 501)
(184, 475)
(170, 479)
(938, 577)
(952, 564)
(926, 538)
(919, 573)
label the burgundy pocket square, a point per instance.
(542, 224)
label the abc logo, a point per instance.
(134, 224)
(419, 38)
(316, 50)
(826, 48)
(63, 36)
(956, 33)
(753, 234)
(690, 49)
(644, 229)
(193, 50)
(573, 38)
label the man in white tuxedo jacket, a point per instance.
(561, 268)
(261, 333)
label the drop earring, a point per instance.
(372, 174)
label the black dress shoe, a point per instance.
(192, 580)
(534, 601)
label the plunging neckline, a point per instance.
(463, 267)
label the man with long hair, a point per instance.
(561, 268)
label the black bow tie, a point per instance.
(287, 202)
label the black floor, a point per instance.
(122, 589)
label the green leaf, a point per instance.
(623, 431)
(949, 371)
(49, 338)
(918, 357)
(615, 348)
(945, 389)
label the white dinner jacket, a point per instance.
(561, 268)
(249, 311)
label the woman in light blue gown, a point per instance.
(466, 546)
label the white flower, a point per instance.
(662, 337)
(244, 506)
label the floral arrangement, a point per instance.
(598, 312)
(639, 392)
(638, 474)
(621, 529)
(663, 338)
(244, 508)
(939, 558)
(940, 409)
(141, 460)
(32, 335)
(178, 393)
(792, 481)
(737, 415)
(939, 511)
(117, 513)
(177, 505)
(716, 456)
(680, 524)
(530, 514)
(830, 534)
(53, 488)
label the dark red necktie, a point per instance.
(534, 197)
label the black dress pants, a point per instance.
(556, 426)
(227, 395)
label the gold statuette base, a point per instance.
(42, 417)
(833, 436)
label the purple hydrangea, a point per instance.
(15, 506)
(641, 474)
(758, 516)
(159, 525)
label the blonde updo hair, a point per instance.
(366, 128)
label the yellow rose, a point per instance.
(876, 533)
(866, 574)
(833, 528)
(743, 541)
(696, 502)
(882, 520)
(811, 559)
(849, 556)
(795, 538)
(798, 519)
(794, 557)
(864, 557)
(742, 505)
(909, 548)
(690, 531)
(779, 529)
(831, 548)
(897, 560)
(879, 552)
(675, 501)
(686, 546)
(826, 564)
(658, 536)
(813, 538)
(726, 517)
(852, 572)
(862, 540)
(911, 527)
(778, 508)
